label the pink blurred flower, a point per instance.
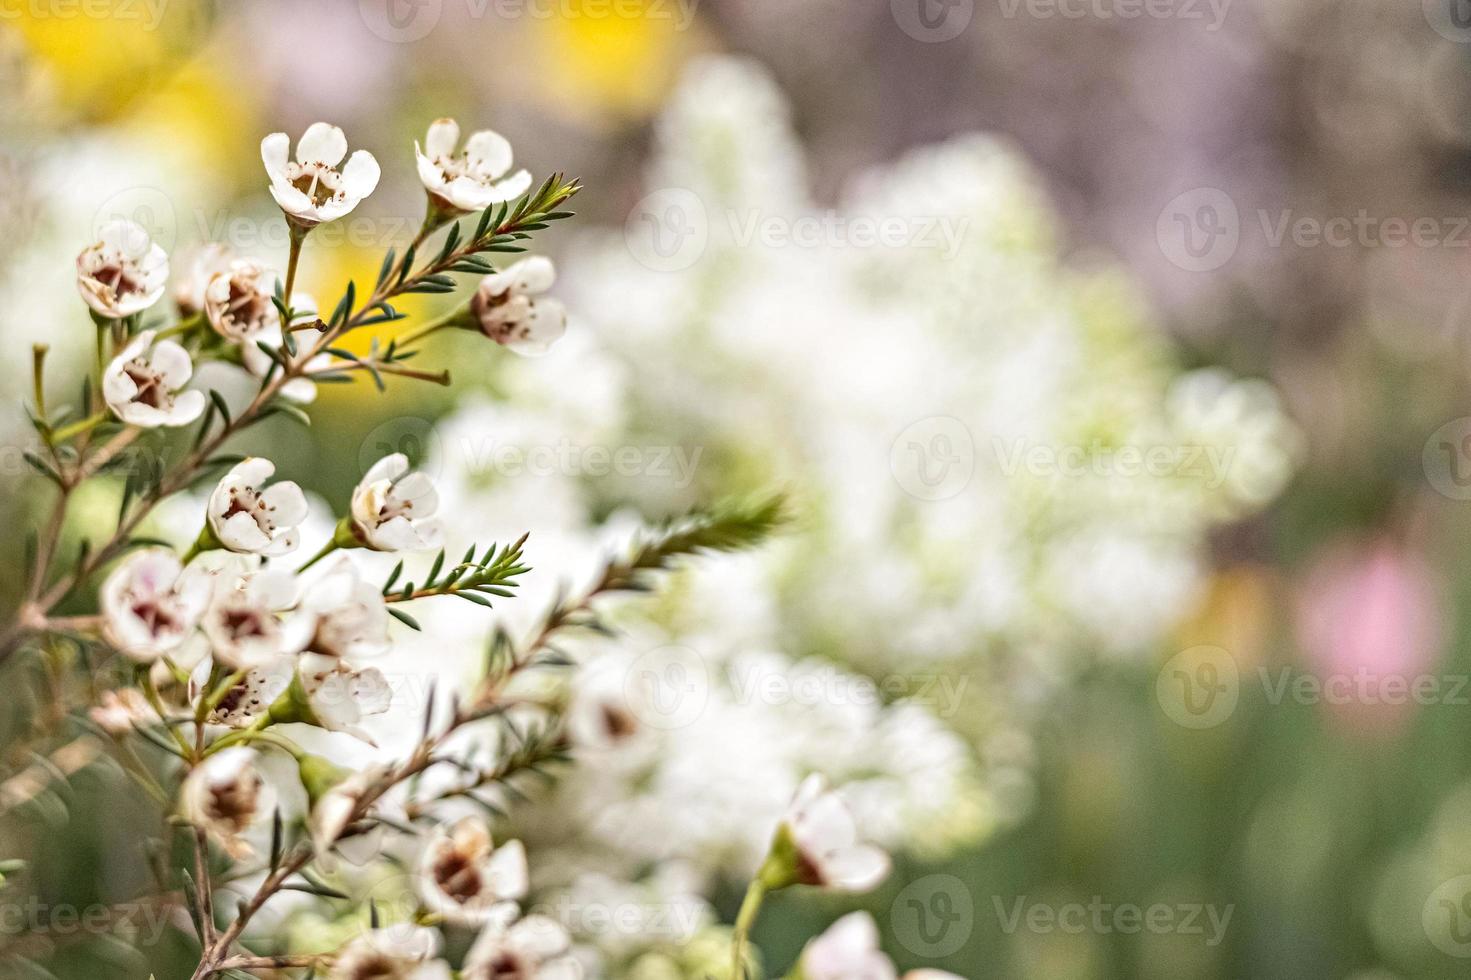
(1370, 622)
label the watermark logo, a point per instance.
(668, 230)
(933, 916)
(933, 21)
(1451, 19)
(1198, 688)
(1100, 917)
(934, 458)
(401, 21)
(668, 687)
(148, 207)
(1200, 230)
(1446, 917)
(415, 437)
(1446, 459)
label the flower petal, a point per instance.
(360, 176)
(321, 143)
(442, 138)
(172, 362)
(286, 503)
(489, 152)
(275, 153)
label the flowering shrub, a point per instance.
(219, 663)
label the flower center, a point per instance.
(317, 181)
(457, 876)
(151, 389)
(245, 311)
(154, 616)
(233, 803)
(245, 500)
(117, 276)
(244, 623)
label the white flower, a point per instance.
(392, 508)
(238, 302)
(225, 795)
(244, 622)
(247, 701)
(123, 272)
(311, 190)
(201, 268)
(533, 948)
(825, 838)
(463, 876)
(119, 712)
(351, 615)
(141, 385)
(338, 697)
(333, 810)
(507, 309)
(301, 390)
(849, 950)
(150, 604)
(249, 518)
(469, 181)
(604, 709)
(394, 953)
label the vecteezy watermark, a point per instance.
(144, 921)
(405, 21)
(754, 683)
(1202, 230)
(1200, 688)
(1211, 12)
(1199, 230)
(676, 464)
(1446, 459)
(415, 437)
(149, 13)
(669, 230)
(933, 21)
(1100, 917)
(1207, 464)
(934, 458)
(1451, 19)
(1446, 917)
(933, 916)
(668, 687)
(673, 922)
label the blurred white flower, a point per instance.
(351, 615)
(150, 604)
(302, 390)
(532, 948)
(393, 509)
(142, 384)
(824, 838)
(123, 272)
(238, 304)
(849, 950)
(226, 796)
(310, 189)
(601, 713)
(246, 622)
(474, 179)
(337, 697)
(118, 712)
(463, 876)
(248, 517)
(201, 267)
(510, 310)
(394, 953)
(333, 807)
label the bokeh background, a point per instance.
(1114, 353)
